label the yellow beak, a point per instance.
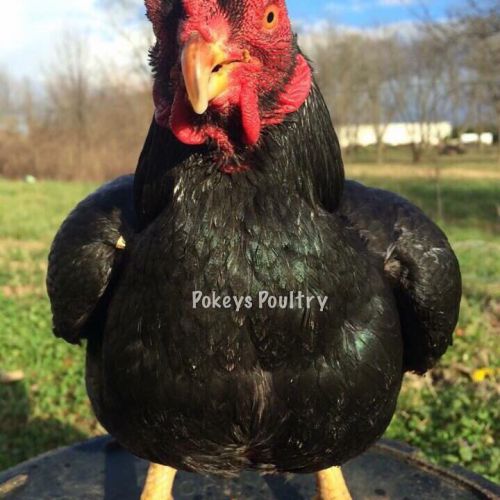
(204, 68)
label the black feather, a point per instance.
(276, 390)
(83, 256)
(419, 263)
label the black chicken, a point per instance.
(239, 190)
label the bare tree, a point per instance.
(16, 152)
(338, 78)
(352, 82)
(8, 99)
(419, 86)
(471, 41)
(127, 18)
(356, 73)
(479, 28)
(5, 93)
(380, 62)
(68, 86)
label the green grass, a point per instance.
(451, 418)
(484, 160)
(49, 407)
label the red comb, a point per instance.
(197, 7)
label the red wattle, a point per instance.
(181, 125)
(181, 122)
(250, 117)
(181, 119)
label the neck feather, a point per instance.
(302, 153)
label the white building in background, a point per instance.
(473, 138)
(396, 134)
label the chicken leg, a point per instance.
(332, 485)
(159, 483)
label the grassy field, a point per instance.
(452, 414)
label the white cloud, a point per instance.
(353, 6)
(10, 21)
(403, 28)
(30, 29)
(312, 34)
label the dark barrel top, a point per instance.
(101, 469)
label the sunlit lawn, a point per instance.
(450, 417)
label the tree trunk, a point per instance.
(480, 145)
(416, 152)
(498, 139)
(380, 151)
(439, 196)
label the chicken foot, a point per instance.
(159, 483)
(331, 485)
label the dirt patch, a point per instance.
(31, 245)
(28, 266)
(16, 291)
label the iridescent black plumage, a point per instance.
(84, 256)
(277, 390)
(418, 262)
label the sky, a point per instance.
(367, 13)
(29, 29)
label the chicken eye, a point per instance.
(271, 17)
